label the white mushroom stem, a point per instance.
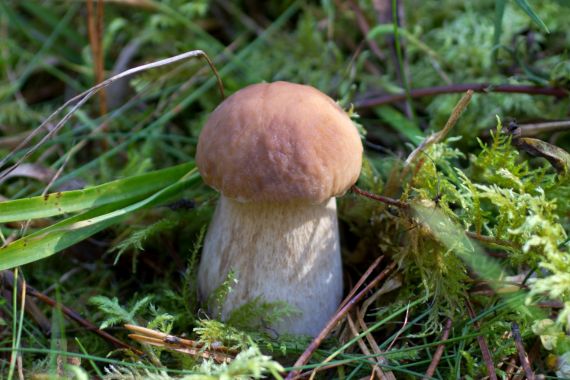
(280, 252)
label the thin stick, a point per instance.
(533, 129)
(363, 348)
(325, 367)
(523, 357)
(439, 351)
(186, 346)
(363, 278)
(391, 284)
(73, 315)
(482, 343)
(335, 319)
(380, 198)
(551, 126)
(86, 95)
(171, 339)
(458, 88)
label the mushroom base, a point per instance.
(279, 252)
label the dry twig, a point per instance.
(143, 335)
(458, 88)
(491, 240)
(380, 198)
(73, 315)
(355, 332)
(365, 29)
(523, 357)
(360, 282)
(335, 319)
(439, 351)
(482, 343)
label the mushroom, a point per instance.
(278, 153)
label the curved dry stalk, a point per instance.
(439, 136)
(86, 95)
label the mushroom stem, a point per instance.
(280, 252)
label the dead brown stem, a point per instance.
(458, 88)
(95, 31)
(363, 278)
(335, 319)
(523, 357)
(73, 315)
(380, 198)
(439, 351)
(439, 136)
(186, 346)
(363, 348)
(482, 343)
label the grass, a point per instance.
(478, 227)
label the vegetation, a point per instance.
(103, 212)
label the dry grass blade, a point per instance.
(390, 285)
(82, 98)
(490, 240)
(363, 347)
(439, 136)
(336, 318)
(186, 346)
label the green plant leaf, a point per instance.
(131, 188)
(454, 238)
(52, 239)
(400, 123)
(499, 14)
(525, 6)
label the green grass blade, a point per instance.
(91, 362)
(400, 123)
(53, 204)
(525, 6)
(388, 29)
(498, 32)
(52, 239)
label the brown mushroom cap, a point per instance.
(279, 142)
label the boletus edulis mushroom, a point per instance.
(279, 153)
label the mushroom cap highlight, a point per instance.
(279, 142)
